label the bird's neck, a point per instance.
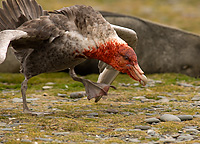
(105, 52)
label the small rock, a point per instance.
(169, 117)
(134, 140)
(167, 140)
(17, 100)
(7, 129)
(196, 116)
(196, 98)
(2, 124)
(142, 127)
(185, 117)
(151, 132)
(192, 131)
(120, 130)
(93, 115)
(163, 100)
(89, 141)
(114, 111)
(44, 139)
(47, 87)
(26, 141)
(185, 137)
(127, 113)
(60, 133)
(75, 95)
(152, 120)
(62, 95)
(185, 85)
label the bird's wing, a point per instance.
(88, 22)
(107, 73)
(128, 35)
(6, 37)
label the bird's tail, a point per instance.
(15, 12)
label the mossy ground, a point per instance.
(72, 116)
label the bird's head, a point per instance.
(121, 57)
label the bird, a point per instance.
(49, 41)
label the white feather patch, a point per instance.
(6, 37)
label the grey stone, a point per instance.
(44, 139)
(185, 85)
(26, 140)
(151, 132)
(2, 124)
(89, 141)
(152, 120)
(185, 137)
(47, 87)
(120, 130)
(93, 115)
(62, 95)
(196, 116)
(169, 117)
(196, 98)
(60, 133)
(7, 129)
(75, 95)
(142, 127)
(167, 140)
(191, 131)
(185, 117)
(17, 100)
(114, 111)
(127, 113)
(134, 140)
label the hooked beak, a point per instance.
(137, 74)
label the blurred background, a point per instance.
(183, 14)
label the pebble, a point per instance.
(93, 115)
(134, 140)
(62, 95)
(169, 117)
(120, 130)
(2, 124)
(75, 95)
(19, 100)
(196, 98)
(26, 141)
(89, 141)
(167, 140)
(127, 113)
(47, 87)
(185, 85)
(151, 132)
(44, 139)
(142, 127)
(7, 129)
(185, 137)
(60, 133)
(185, 117)
(152, 120)
(112, 111)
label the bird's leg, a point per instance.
(23, 91)
(106, 77)
(93, 90)
(25, 106)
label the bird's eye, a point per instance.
(126, 58)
